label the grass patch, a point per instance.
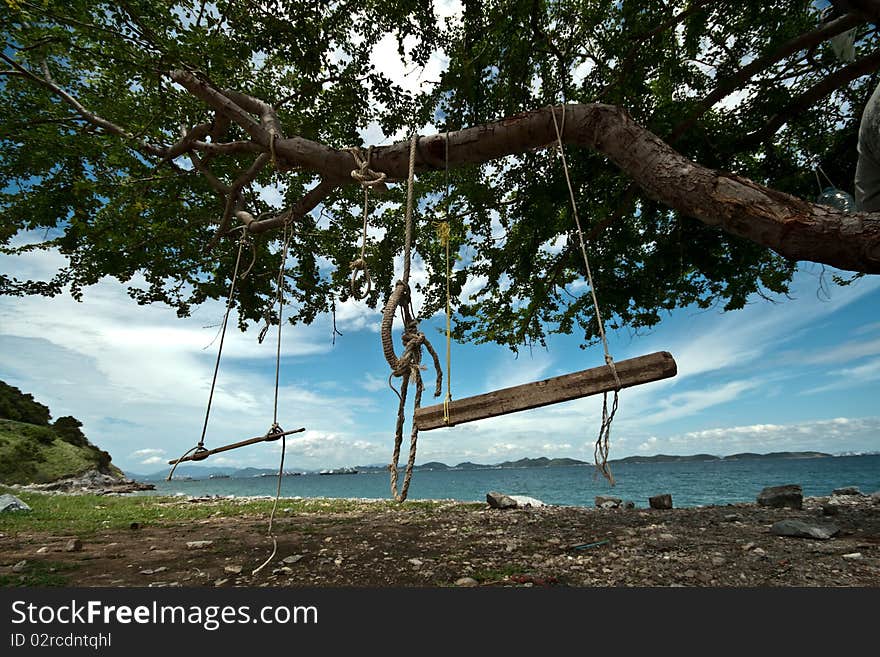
(40, 573)
(84, 515)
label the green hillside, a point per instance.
(31, 454)
(35, 451)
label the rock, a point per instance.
(732, 517)
(759, 551)
(524, 502)
(12, 503)
(847, 490)
(233, 570)
(604, 502)
(748, 546)
(20, 566)
(718, 561)
(801, 529)
(415, 562)
(663, 501)
(466, 581)
(498, 500)
(830, 509)
(853, 556)
(198, 545)
(666, 537)
(629, 504)
(154, 571)
(292, 558)
(43, 550)
(73, 545)
(789, 495)
(220, 582)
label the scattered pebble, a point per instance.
(221, 582)
(466, 581)
(73, 545)
(43, 550)
(853, 556)
(198, 545)
(20, 566)
(233, 570)
(415, 562)
(292, 558)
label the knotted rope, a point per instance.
(408, 366)
(367, 179)
(600, 452)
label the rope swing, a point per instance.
(408, 366)
(600, 453)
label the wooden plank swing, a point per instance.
(631, 372)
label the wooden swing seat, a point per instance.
(631, 372)
(202, 454)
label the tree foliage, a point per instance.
(734, 86)
(21, 407)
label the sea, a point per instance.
(691, 483)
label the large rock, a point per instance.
(801, 529)
(605, 502)
(12, 503)
(847, 490)
(663, 501)
(790, 495)
(500, 501)
(523, 501)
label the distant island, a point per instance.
(207, 472)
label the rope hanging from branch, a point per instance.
(367, 179)
(600, 452)
(408, 366)
(199, 452)
(276, 428)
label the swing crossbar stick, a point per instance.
(631, 372)
(203, 454)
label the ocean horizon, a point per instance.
(691, 483)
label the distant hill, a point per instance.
(205, 471)
(664, 458)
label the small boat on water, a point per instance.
(218, 476)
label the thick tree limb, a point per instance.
(790, 226)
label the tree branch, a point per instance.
(746, 73)
(91, 117)
(815, 93)
(305, 205)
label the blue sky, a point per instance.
(800, 374)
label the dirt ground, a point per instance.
(454, 544)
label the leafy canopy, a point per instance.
(116, 209)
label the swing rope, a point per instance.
(276, 428)
(200, 446)
(408, 366)
(367, 179)
(445, 234)
(600, 452)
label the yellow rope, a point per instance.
(443, 234)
